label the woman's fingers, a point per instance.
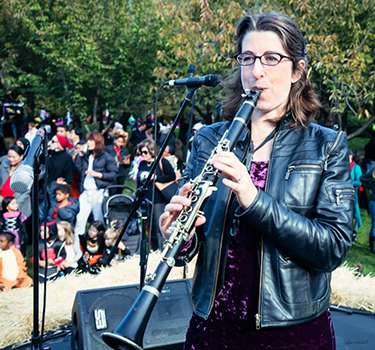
(229, 166)
(173, 209)
(237, 177)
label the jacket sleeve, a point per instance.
(111, 169)
(322, 242)
(69, 212)
(80, 164)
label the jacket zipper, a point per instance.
(292, 167)
(331, 150)
(338, 192)
(257, 315)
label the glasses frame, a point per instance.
(260, 58)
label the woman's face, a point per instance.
(118, 142)
(60, 232)
(146, 154)
(276, 81)
(90, 145)
(14, 158)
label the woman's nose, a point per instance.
(258, 68)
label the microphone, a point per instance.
(23, 177)
(208, 80)
(191, 70)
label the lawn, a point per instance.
(359, 253)
(358, 143)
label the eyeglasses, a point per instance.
(267, 59)
(144, 152)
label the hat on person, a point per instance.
(52, 228)
(24, 141)
(198, 126)
(64, 142)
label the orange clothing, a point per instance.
(14, 264)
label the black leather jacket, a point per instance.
(305, 217)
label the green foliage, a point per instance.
(91, 54)
(358, 143)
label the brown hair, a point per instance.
(302, 102)
(98, 138)
(149, 144)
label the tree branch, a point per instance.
(362, 128)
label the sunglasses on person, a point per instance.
(144, 152)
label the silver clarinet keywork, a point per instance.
(129, 333)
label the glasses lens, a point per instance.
(144, 152)
(245, 59)
(270, 59)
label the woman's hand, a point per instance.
(237, 177)
(126, 160)
(173, 209)
(94, 173)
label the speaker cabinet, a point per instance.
(101, 310)
(354, 329)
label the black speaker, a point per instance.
(101, 310)
(354, 329)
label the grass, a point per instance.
(360, 253)
(358, 143)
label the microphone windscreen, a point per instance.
(213, 80)
(22, 179)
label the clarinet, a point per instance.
(129, 333)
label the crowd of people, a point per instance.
(76, 170)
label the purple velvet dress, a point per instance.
(231, 324)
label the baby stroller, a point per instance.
(116, 210)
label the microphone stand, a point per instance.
(36, 338)
(140, 196)
(191, 72)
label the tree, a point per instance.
(340, 42)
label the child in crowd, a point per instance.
(110, 237)
(92, 246)
(13, 221)
(73, 252)
(12, 264)
(56, 253)
(66, 208)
